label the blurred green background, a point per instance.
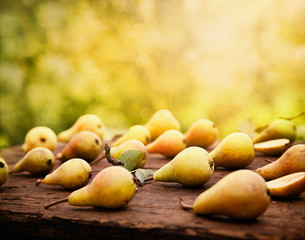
(227, 61)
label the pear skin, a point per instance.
(234, 151)
(201, 133)
(241, 194)
(169, 143)
(4, 171)
(40, 136)
(288, 186)
(131, 144)
(280, 128)
(38, 161)
(191, 167)
(87, 122)
(85, 145)
(291, 161)
(72, 174)
(161, 121)
(275, 147)
(137, 132)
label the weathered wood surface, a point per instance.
(154, 212)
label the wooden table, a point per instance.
(153, 213)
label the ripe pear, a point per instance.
(4, 171)
(191, 167)
(234, 151)
(131, 144)
(85, 145)
(40, 136)
(201, 133)
(161, 121)
(279, 128)
(87, 122)
(169, 143)
(72, 174)
(138, 132)
(273, 147)
(288, 186)
(38, 161)
(291, 161)
(113, 187)
(241, 194)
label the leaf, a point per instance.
(143, 174)
(130, 158)
(247, 126)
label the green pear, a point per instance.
(40, 136)
(113, 187)
(241, 194)
(161, 121)
(87, 122)
(202, 133)
(38, 161)
(137, 132)
(291, 161)
(85, 145)
(4, 171)
(234, 151)
(169, 143)
(72, 174)
(191, 167)
(280, 128)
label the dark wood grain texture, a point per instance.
(153, 213)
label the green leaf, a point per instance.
(130, 158)
(143, 174)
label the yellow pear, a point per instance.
(201, 133)
(89, 122)
(72, 174)
(241, 194)
(191, 167)
(234, 151)
(291, 161)
(279, 128)
(131, 144)
(40, 136)
(85, 145)
(288, 186)
(4, 171)
(113, 187)
(273, 147)
(161, 121)
(169, 143)
(137, 132)
(38, 161)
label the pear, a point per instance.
(85, 145)
(241, 194)
(191, 167)
(72, 174)
(138, 132)
(273, 147)
(113, 187)
(234, 151)
(4, 171)
(89, 122)
(161, 121)
(279, 128)
(288, 186)
(201, 133)
(291, 161)
(131, 144)
(38, 161)
(169, 143)
(40, 136)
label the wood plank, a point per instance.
(153, 213)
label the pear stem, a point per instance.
(110, 159)
(56, 202)
(38, 181)
(98, 159)
(185, 206)
(293, 117)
